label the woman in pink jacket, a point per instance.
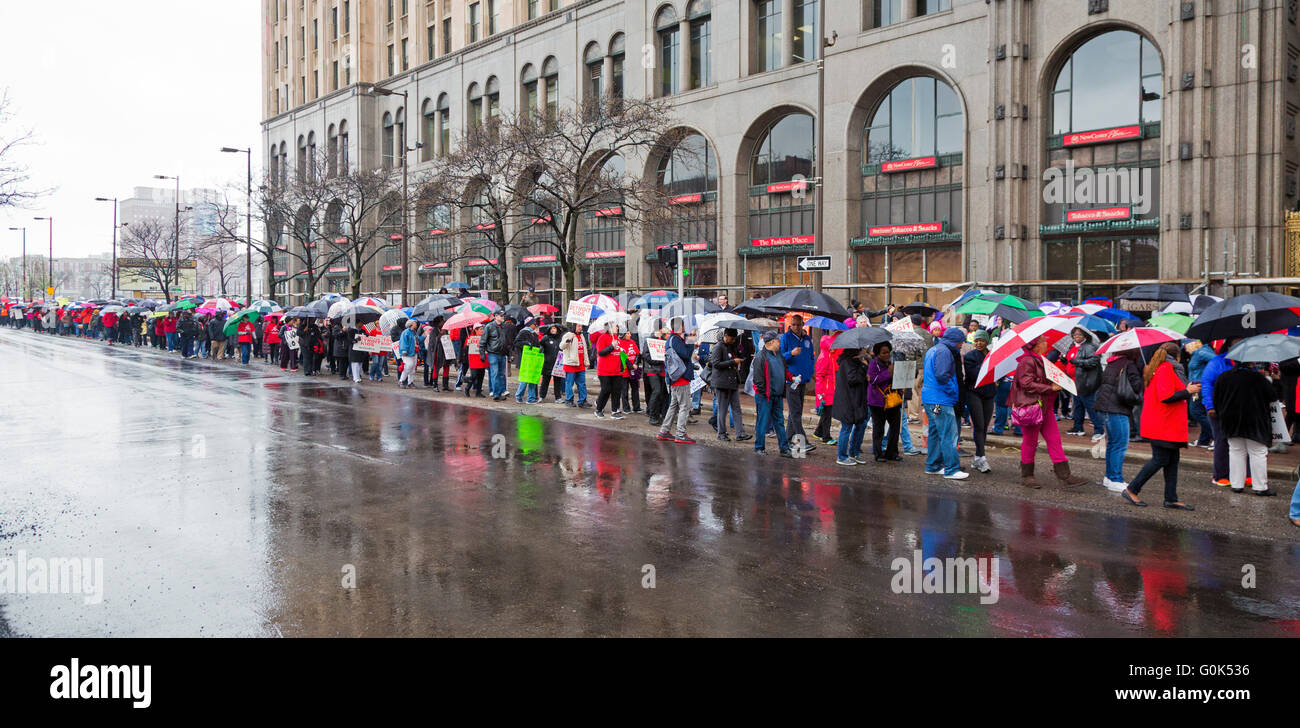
(824, 388)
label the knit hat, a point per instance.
(769, 336)
(986, 336)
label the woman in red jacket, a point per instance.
(271, 337)
(478, 364)
(245, 332)
(1164, 424)
(609, 367)
(631, 372)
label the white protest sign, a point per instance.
(374, 344)
(558, 369)
(902, 325)
(904, 374)
(579, 313)
(448, 348)
(473, 345)
(656, 348)
(1058, 377)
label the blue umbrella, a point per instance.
(1097, 324)
(1116, 315)
(457, 284)
(654, 300)
(826, 324)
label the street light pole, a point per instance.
(50, 262)
(819, 154)
(26, 292)
(113, 292)
(248, 263)
(406, 115)
(176, 240)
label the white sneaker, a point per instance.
(1097, 437)
(1113, 485)
(959, 475)
(982, 464)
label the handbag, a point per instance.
(1028, 416)
(892, 398)
(1124, 390)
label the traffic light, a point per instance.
(668, 256)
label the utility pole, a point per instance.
(819, 154)
(248, 263)
(50, 261)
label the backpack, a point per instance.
(674, 367)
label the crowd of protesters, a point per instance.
(1127, 398)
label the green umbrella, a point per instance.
(232, 323)
(185, 303)
(1012, 308)
(1179, 322)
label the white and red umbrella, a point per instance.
(1004, 354)
(602, 302)
(1089, 309)
(1140, 338)
(372, 301)
(464, 319)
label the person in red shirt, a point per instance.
(478, 364)
(271, 335)
(609, 367)
(631, 372)
(169, 328)
(1164, 425)
(245, 332)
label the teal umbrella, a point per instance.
(232, 323)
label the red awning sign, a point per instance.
(1099, 214)
(1101, 136)
(914, 229)
(907, 165)
(770, 242)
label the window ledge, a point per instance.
(867, 32)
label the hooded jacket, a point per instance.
(824, 383)
(940, 380)
(851, 383)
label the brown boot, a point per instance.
(1027, 476)
(1062, 471)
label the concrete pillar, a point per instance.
(684, 53)
(787, 33)
(607, 77)
(909, 9)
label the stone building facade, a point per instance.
(1045, 146)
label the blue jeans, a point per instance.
(575, 380)
(1116, 445)
(770, 416)
(376, 367)
(849, 442)
(904, 434)
(171, 340)
(1083, 403)
(245, 350)
(531, 389)
(497, 375)
(1197, 410)
(695, 398)
(1295, 503)
(941, 452)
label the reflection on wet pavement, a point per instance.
(227, 501)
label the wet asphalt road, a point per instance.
(234, 502)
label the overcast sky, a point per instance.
(116, 92)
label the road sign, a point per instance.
(817, 263)
(49, 291)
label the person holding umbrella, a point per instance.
(979, 400)
(1244, 398)
(939, 396)
(797, 350)
(609, 367)
(824, 389)
(1217, 367)
(1164, 425)
(244, 330)
(769, 375)
(1087, 377)
(851, 406)
(550, 350)
(886, 404)
(1117, 408)
(1032, 390)
(726, 360)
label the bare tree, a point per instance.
(15, 179)
(221, 251)
(570, 179)
(300, 204)
(149, 248)
(363, 217)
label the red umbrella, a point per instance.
(542, 309)
(1004, 354)
(1140, 338)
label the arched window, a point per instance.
(688, 177)
(399, 142)
(912, 196)
(528, 87)
(594, 61)
(786, 149)
(311, 154)
(618, 57)
(700, 15)
(444, 125)
(302, 157)
(667, 34)
(430, 117)
(475, 98)
(603, 230)
(332, 150)
(274, 160)
(493, 93)
(284, 162)
(388, 144)
(1111, 80)
(1101, 189)
(551, 84)
(343, 147)
(920, 117)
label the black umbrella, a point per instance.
(1156, 292)
(920, 307)
(1202, 303)
(862, 337)
(431, 308)
(1248, 315)
(805, 299)
(517, 313)
(752, 307)
(296, 312)
(317, 309)
(1266, 347)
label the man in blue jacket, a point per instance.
(1218, 365)
(797, 351)
(939, 395)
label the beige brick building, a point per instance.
(1044, 145)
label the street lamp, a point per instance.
(406, 114)
(248, 269)
(113, 292)
(25, 291)
(50, 220)
(176, 244)
(819, 156)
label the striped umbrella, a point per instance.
(1002, 357)
(1090, 309)
(479, 305)
(654, 300)
(372, 301)
(1140, 338)
(601, 301)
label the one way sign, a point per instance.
(808, 263)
